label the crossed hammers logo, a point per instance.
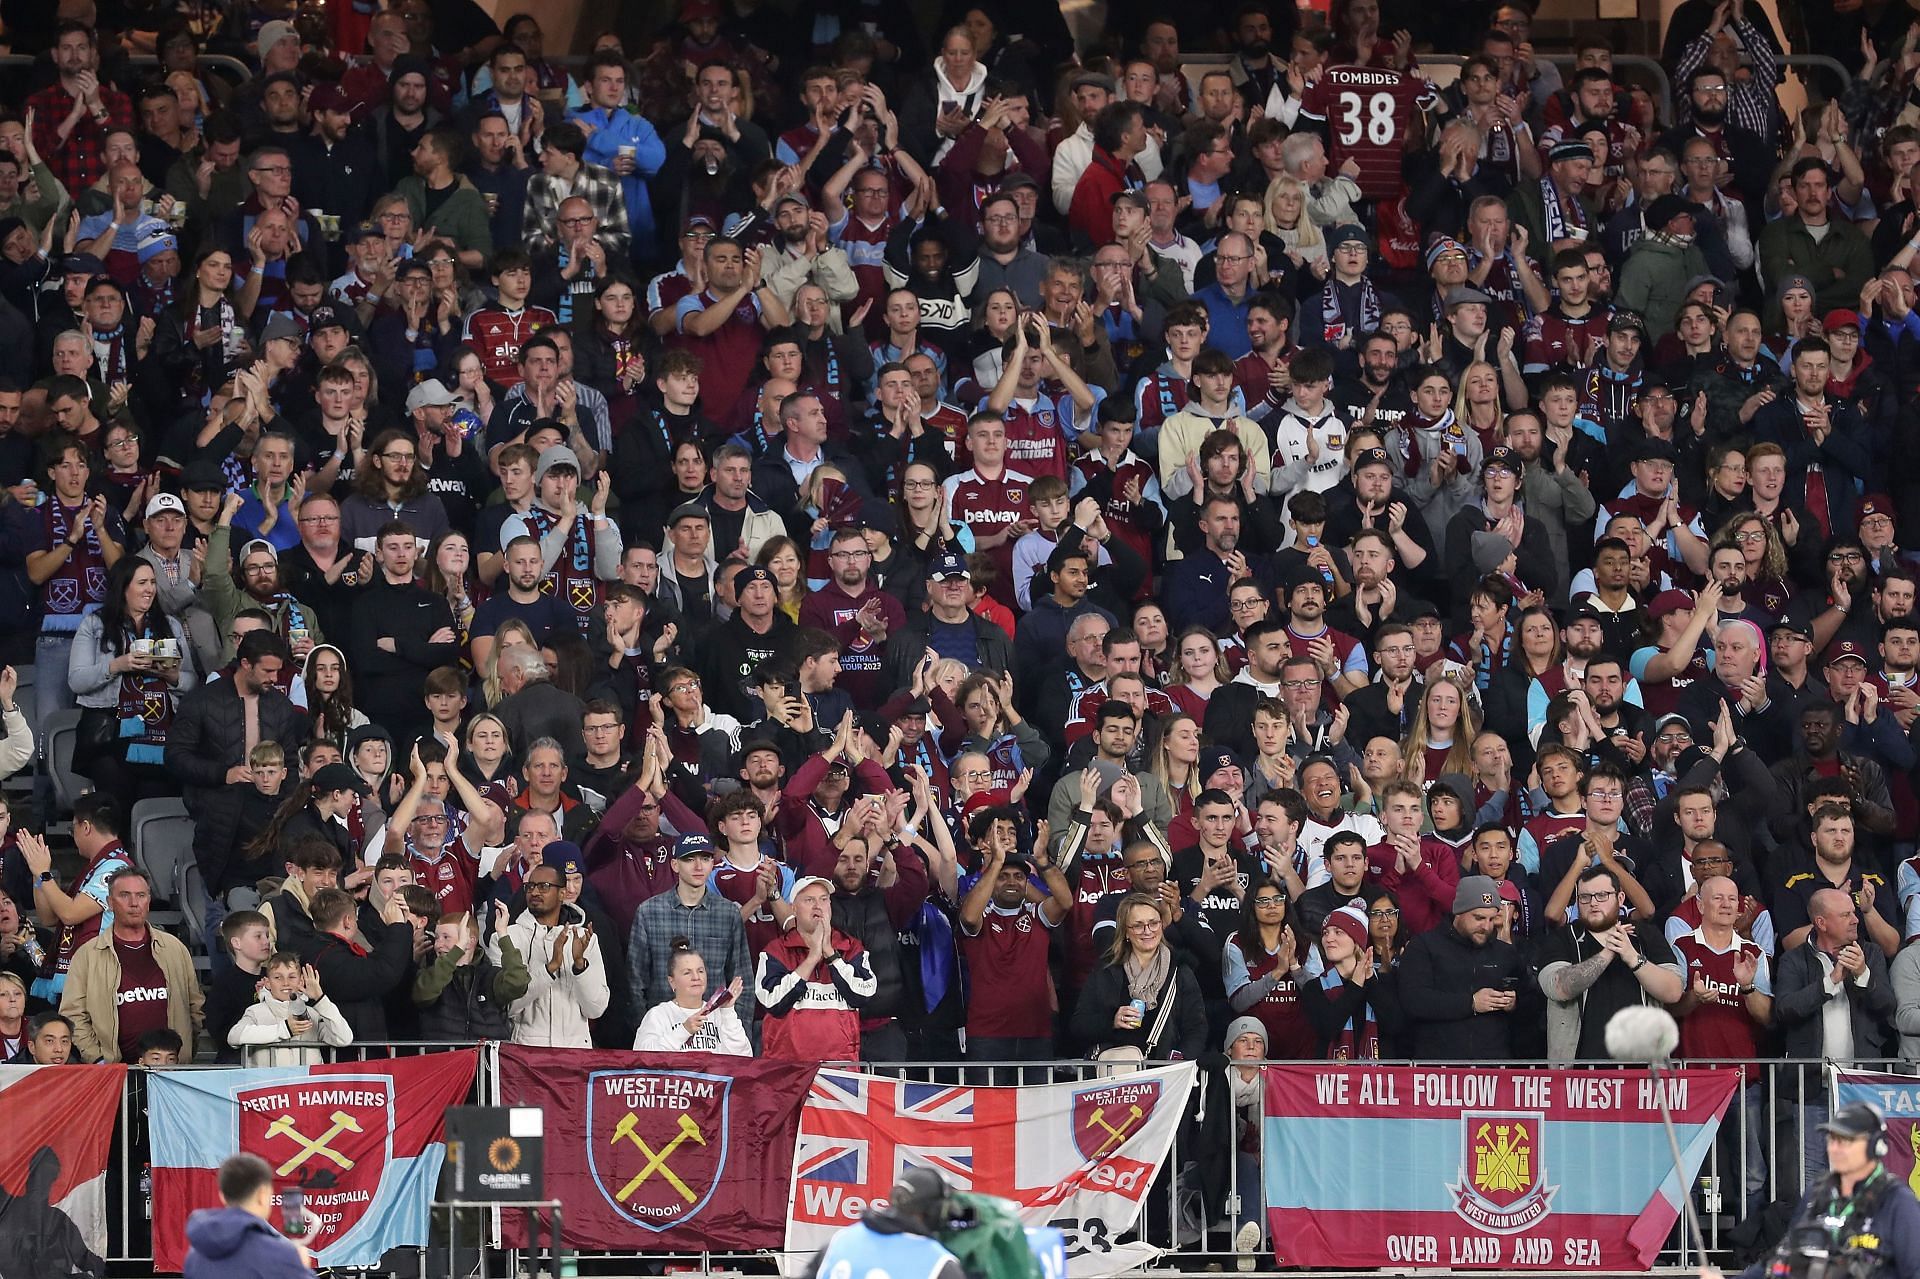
(284, 1127)
(1115, 1136)
(629, 1129)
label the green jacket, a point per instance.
(1839, 265)
(461, 218)
(509, 983)
(224, 596)
(1653, 282)
(1526, 208)
(37, 213)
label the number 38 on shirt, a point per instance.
(1369, 113)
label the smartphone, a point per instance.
(1510, 985)
(293, 1212)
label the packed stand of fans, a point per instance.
(845, 542)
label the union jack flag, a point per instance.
(862, 1133)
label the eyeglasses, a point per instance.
(319, 519)
(977, 774)
(435, 820)
(1300, 685)
(542, 886)
(1713, 861)
(1589, 899)
(397, 215)
(1846, 557)
(684, 686)
(1711, 90)
(394, 455)
(273, 168)
(586, 221)
(921, 484)
(1605, 794)
(850, 555)
(994, 219)
(1751, 535)
(1269, 901)
(439, 261)
(1674, 737)
(1144, 926)
(1384, 912)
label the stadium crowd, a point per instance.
(846, 541)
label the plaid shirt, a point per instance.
(1751, 104)
(598, 186)
(80, 161)
(712, 928)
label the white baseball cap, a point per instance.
(161, 503)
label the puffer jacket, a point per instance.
(208, 737)
(555, 1012)
(460, 1003)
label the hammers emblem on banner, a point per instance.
(311, 1148)
(1107, 1117)
(656, 1142)
(628, 1129)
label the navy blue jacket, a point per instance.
(232, 1243)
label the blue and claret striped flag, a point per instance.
(1480, 1169)
(363, 1141)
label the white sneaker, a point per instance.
(1246, 1242)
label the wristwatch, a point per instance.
(45, 877)
(1638, 964)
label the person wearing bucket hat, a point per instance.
(1650, 281)
(1461, 984)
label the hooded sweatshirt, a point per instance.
(232, 1241)
(555, 1011)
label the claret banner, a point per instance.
(1489, 1169)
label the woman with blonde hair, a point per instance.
(1765, 553)
(1176, 761)
(1127, 994)
(1478, 404)
(512, 633)
(488, 759)
(1286, 206)
(1441, 738)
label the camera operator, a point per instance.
(1857, 1222)
(899, 1238)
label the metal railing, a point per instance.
(1760, 1157)
(230, 67)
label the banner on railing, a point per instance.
(1079, 1157)
(1898, 1097)
(661, 1152)
(1494, 1169)
(363, 1141)
(53, 1167)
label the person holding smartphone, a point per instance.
(1461, 985)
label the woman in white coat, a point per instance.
(684, 1023)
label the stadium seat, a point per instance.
(162, 842)
(62, 731)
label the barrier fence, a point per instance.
(1760, 1156)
